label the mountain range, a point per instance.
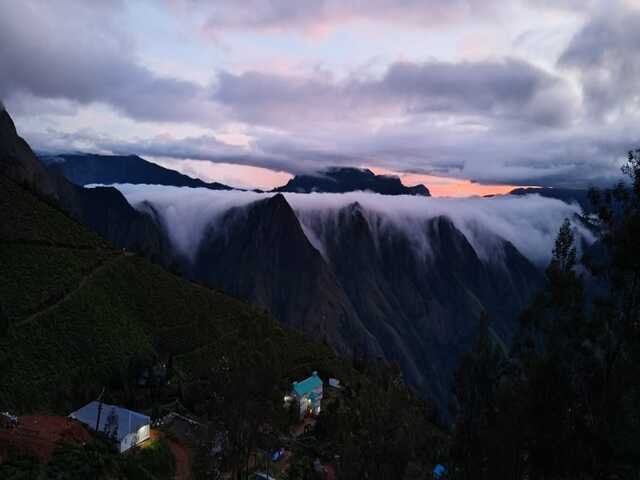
(367, 291)
(78, 314)
(86, 169)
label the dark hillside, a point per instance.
(79, 315)
(79, 311)
(104, 210)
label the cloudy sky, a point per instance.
(465, 95)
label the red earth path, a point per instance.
(39, 435)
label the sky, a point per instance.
(467, 96)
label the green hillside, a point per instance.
(80, 312)
(77, 316)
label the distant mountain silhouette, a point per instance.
(84, 169)
(103, 209)
(568, 195)
(349, 179)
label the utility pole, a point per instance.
(268, 463)
(99, 410)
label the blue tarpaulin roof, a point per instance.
(307, 385)
(128, 421)
(439, 471)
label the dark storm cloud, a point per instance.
(606, 55)
(78, 52)
(205, 147)
(569, 159)
(497, 120)
(511, 89)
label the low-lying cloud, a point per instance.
(530, 223)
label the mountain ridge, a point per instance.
(368, 293)
(365, 295)
(78, 313)
(104, 209)
(84, 169)
(349, 179)
(567, 195)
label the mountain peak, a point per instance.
(350, 179)
(7, 127)
(18, 161)
(278, 199)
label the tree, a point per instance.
(4, 322)
(477, 384)
(572, 388)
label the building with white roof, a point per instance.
(126, 427)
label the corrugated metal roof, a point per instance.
(307, 385)
(128, 421)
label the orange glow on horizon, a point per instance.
(245, 176)
(235, 175)
(447, 186)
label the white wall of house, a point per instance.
(134, 438)
(304, 402)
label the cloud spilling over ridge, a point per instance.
(186, 212)
(530, 223)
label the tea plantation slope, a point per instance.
(75, 313)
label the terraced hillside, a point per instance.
(77, 313)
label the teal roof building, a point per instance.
(308, 395)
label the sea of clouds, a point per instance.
(529, 222)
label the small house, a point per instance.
(125, 427)
(307, 394)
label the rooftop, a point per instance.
(128, 421)
(307, 385)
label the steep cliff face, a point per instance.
(367, 286)
(349, 276)
(260, 253)
(422, 303)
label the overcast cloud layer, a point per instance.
(533, 93)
